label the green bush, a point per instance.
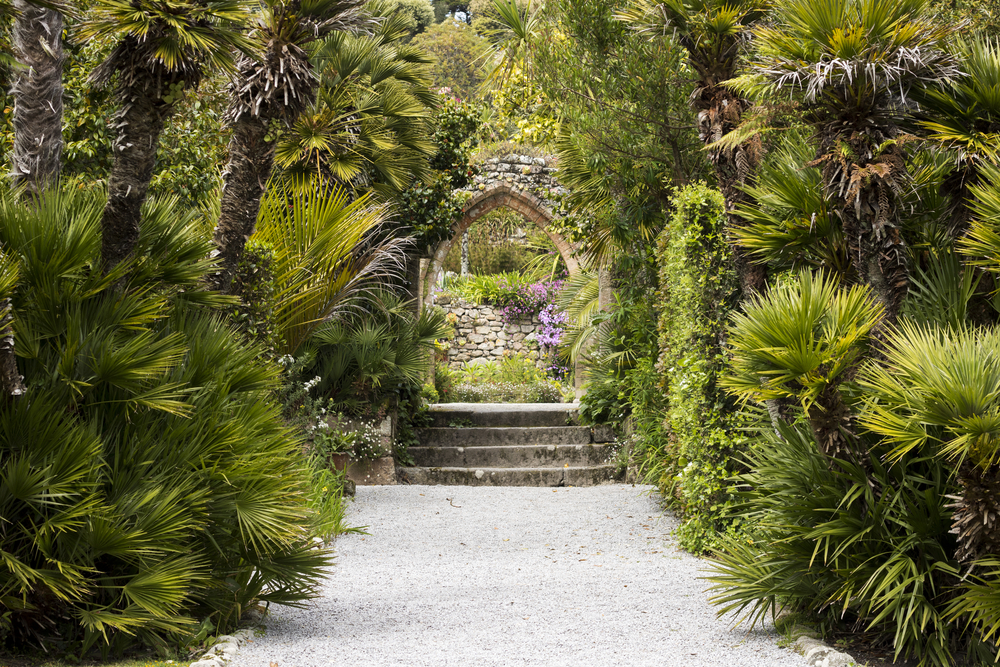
(149, 481)
(255, 287)
(692, 461)
(366, 356)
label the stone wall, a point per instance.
(480, 333)
(536, 175)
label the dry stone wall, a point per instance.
(536, 175)
(480, 333)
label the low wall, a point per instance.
(480, 333)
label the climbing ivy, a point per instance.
(697, 291)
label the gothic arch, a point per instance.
(500, 195)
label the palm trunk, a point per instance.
(862, 194)
(719, 113)
(139, 124)
(37, 91)
(251, 157)
(977, 512)
(11, 382)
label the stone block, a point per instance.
(534, 170)
(538, 162)
(477, 338)
(474, 353)
(503, 167)
(524, 159)
(527, 328)
(497, 352)
(482, 329)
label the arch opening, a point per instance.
(498, 196)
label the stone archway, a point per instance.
(500, 195)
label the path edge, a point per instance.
(807, 642)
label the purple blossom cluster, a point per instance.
(553, 325)
(522, 302)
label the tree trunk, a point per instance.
(251, 157)
(37, 91)
(976, 520)
(11, 382)
(719, 112)
(139, 124)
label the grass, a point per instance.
(45, 660)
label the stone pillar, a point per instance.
(465, 254)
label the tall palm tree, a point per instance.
(162, 49)
(38, 106)
(713, 32)
(271, 88)
(852, 65)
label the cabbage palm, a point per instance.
(852, 64)
(799, 343)
(271, 88)
(161, 49)
(713, 32)
(327, 249)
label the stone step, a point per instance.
(565, 476)
(504, 414)
(497, 436)
(512, 456)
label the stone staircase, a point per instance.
(522, 444)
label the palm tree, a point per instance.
(964, 118)
(162, 49)
(327, 249)
(852, 65)
(713, 32)
(37, 90)
(271, 88)
(368, 127)
(936, 395)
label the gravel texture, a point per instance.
(511, 576)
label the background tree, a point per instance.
(712, 33)
(458, 51)
(161, 50)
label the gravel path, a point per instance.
(510, 576)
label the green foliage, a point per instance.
(513, 378)
(697, 291)
(458, 52)
(165, 488)
(864, 542)
(368, 354)
(431, 208)
(417, 15)
(254, 285)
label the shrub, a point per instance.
(697, 290)
(367, 355)
(149, 479)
